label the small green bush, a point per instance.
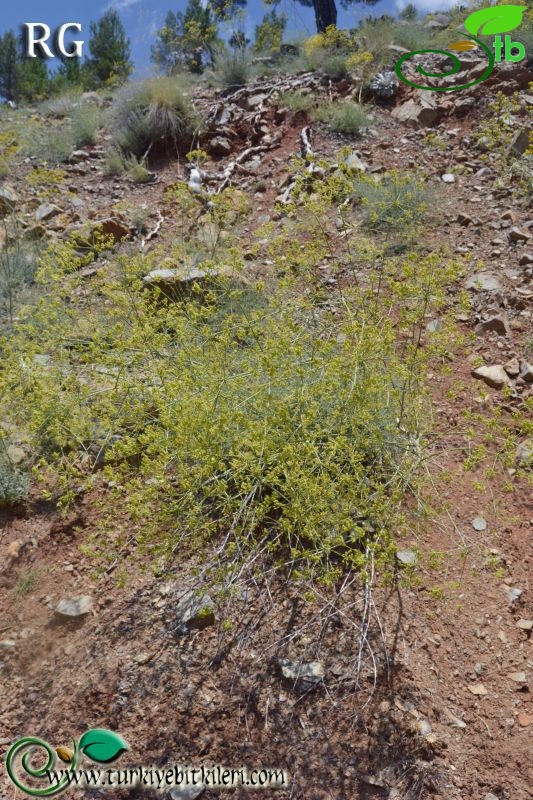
(297, 101)
(346, 117)
(114, 162)
(153, 115)
(86, 122)
(14, 483)
(233, 70)
(395, 202)
(17, 270)
(137, 171)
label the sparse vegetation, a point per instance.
(347, 118)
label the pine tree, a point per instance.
(269, 33)
(9, 57)
(187, 39)
(110, 51)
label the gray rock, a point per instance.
(219, 146)
(353, 161)
(494, 376)
(518, 677)
(524, 453)
(16, 454)
(448, 177)
(194, 611)
(187, 792)
(483, 282)
(520, 142)
(526, 371)
(497, 324)
(514, 594)
(302, 677)
(420, 114)
(8, 200)
(512, 367)
(47, 211)
(525, 624)
(406, 557)
(7, 644)
(74, 607)
(516, 235)
(479, 524)
(176, 283)
(94, 98)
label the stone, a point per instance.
(194, 611)
(494, 376)
(422, 114)
(448, 177)
(464, 219)
(524, 453)
(520, 142)
(7, 644)
(94, 98)
(514, 594)
(406, 557)
(353, 161)
(187, 792)
(478, 689)
(8, 200)
(516, 235)
(219, 146)
(479, 524)
(113, 227)
(74, 607)
(302, 677)
(483, 282)
(523, 720)
(526, 258)
(518, 677)
(525, 624)
(496, 324)
(512, 367)
(47, 211)
(526, 371)
(16, 454)
(77, 156)
(255, 100)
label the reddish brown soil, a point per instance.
(212, 697)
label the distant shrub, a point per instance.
(233, 70)
(113, 162)
(297, 101)
(152, 115)
(346, 117)
(62, 106)
(86, 122)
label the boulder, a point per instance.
(421, 113)
(8, 200)
(494, 376)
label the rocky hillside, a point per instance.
(393, 664)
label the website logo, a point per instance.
(99, 745)
(485, 22)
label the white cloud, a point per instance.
(121, 5)
(428, 5)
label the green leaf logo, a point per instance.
(496, 19)
(102, 746)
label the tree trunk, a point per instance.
(325, 14)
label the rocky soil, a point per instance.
(443, 709)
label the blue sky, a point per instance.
(142, 18)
